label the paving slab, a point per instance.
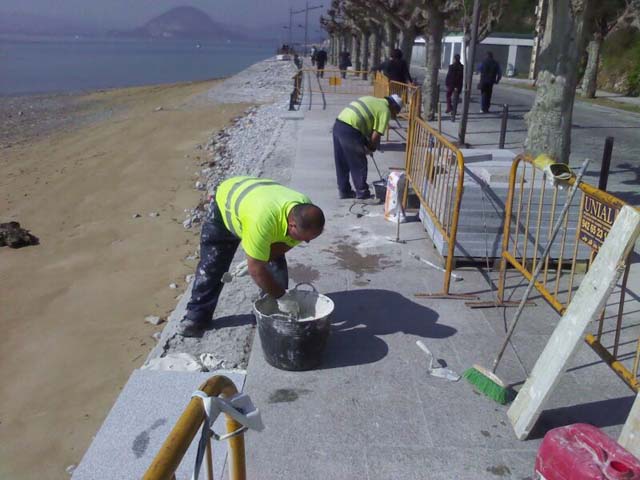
(370, 410)
(140, 421)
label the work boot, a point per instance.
(368, 201)
(346, 195)
(191, 328)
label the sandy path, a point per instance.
(72, 309)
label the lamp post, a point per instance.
(468, 73)
(306, 11)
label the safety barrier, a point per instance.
(380, 85)
(410, 95)
(530, 211)
(435, 170)
(177, 443)
(336, 81)
(296, 94)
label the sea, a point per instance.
(30, 65)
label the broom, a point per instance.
(486, 381)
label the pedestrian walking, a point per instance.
(314, 50)
(356, 132)
(344, 63)
(267, 219)
(453, 82)
(490, 75)
(321, 60)
(396, 68)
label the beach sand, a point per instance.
(73, 307)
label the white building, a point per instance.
(512, 51)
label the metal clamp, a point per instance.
(308, 284)
(228, 435)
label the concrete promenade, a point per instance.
(371, 411)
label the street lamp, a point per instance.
(306, 11)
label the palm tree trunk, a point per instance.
(376, 51)
(589, 80)
(433, 50)
(549, 121)
(355, 58)
(406, 44)
(391, 37)
(364, 40)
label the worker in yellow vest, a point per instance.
(267, 219)
(356, 132)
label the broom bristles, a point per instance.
(487, 383)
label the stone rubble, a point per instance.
(153, 319)
(258, 143)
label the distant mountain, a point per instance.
(29, 24)
(182, 22)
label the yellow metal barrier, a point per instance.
(380, 85)
(435, 169)
(177, 443)
(336, 81)
(529, 214)
(296, 95)
(408, 93)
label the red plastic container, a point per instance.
(584, 452)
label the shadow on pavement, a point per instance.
(603, 413)
(233, 321)
(362, 316)
(394, 147)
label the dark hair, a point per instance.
(396, 53)
(490, 54)
(308, 217)
(456, 56)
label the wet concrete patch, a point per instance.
(285, 395)
(303, 273)
(349, 258)
(499, 470)
(141, 442)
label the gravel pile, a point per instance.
(244, 147)
(262, 82)
(258, 143)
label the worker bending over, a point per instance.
(268, 219)
(356, 132)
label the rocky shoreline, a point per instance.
(260, 143)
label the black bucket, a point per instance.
(380, 187)
(294, 345)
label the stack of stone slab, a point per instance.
(481, 219)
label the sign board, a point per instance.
(596, 221)
(335, 81)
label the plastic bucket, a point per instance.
(294, 345)
(380, 187)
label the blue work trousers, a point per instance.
(485, 96)
(350, 157)
(217, 249)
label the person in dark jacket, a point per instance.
(396, 68)
(344, 62)
(321, 59)
(454, 80)
(490, 75)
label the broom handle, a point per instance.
(376, 165)
(545, 253)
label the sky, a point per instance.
(133, 13)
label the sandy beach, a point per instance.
(76, 171)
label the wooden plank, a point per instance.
(630, 435)
(585, 307)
